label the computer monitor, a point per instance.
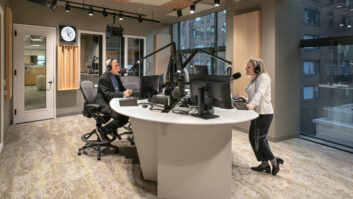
(217, 88)
(149, 86)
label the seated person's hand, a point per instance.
(128, 93)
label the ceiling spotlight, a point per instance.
(217, 3)
(90, 11)
(121, 16)
(192, 9)
(140, 19)
(179, 13)
(67, 7)
(105, 14)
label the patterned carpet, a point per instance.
(39, 160)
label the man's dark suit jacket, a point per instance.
(106, 91)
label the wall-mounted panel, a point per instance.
(68, 70)
(246, 44)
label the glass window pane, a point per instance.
(90, 58)
(35, 72)
(221, 28)
(327, 105)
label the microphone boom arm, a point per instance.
(183, 65)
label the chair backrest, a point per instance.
(131, 82)
(88, 91)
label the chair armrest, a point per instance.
(92, 107)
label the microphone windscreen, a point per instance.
(236, 75)
(176, 93)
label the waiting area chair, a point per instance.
(90, 110)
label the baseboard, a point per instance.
(286, 137)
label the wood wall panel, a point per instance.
(68, 70)
(161, 59)
(246, 44)
(8, 52)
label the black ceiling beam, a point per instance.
(94, 6)
(117, 14)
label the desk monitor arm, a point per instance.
(204, 105)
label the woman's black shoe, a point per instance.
(261, 168)
(275, 170)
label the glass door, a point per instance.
(33, 73)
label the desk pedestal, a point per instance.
(188, 161)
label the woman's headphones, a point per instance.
(257, 68)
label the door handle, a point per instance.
(50, 82)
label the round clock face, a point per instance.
(68, 33)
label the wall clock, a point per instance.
(67, 33)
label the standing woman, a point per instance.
(259, 93)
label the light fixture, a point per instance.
(349, 26)
(105, 14)
(90, 11)
(216, 3)
(341, 24)
(179, 13)
(192, 9)
(106, 11)
(67, 7)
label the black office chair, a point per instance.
(91, 109)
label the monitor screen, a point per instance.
(149, 86)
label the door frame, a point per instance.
(2, 77)
(53, 29)
(126, 37)
(103, 47)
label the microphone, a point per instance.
(176, 92)
(235, 76)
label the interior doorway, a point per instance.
(33, 73)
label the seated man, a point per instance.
(109, 87)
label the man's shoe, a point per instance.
(102, 135)
(260, 168)
(275, 170)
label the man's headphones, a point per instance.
(257, 68)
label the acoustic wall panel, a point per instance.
(246, 44)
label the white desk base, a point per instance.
(187, 161)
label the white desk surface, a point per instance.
(226, 116)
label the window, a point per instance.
(345, 22)
(311, 67)
(310, 92)
(331, 20)
(91, 56)
(205, 32)
(311, 17)
(307, 37)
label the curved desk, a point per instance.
(189, 157)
